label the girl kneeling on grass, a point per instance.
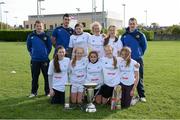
(78, 75)
(94, 74)
(110, 74)
(58, 76)
(129, 76)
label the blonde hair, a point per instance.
(95, 24)
(73, 63)
(114, 58)
(127, 51)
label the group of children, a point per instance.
(95, 59)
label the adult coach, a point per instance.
(39, 46)
(136, 40)
(61, 35)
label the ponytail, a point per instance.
(106, 40)
(114, 62)
(128, 61)
(74, 61)
(57, 68)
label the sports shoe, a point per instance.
(48, 95)
(134, 100)
(143, 99)
(32, 95)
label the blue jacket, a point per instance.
(62, 36)
(136, 40)
(39, 46)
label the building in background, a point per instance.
(51, 21)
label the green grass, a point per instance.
(162, 85)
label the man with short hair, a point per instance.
(136, 40)
(61, 35)
(39, 47)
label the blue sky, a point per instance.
(164, 12)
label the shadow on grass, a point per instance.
(40, 107)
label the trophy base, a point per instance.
(67, 107)
(91, 108)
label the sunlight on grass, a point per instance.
(162, 74)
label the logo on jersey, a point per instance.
(45, 38)
(32, 37)
(137, 36)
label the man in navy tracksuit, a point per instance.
(39, 47)
(61, 35)
(136, 40)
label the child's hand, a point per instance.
(51, 92)
(132, 93)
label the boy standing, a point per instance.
(39, 47)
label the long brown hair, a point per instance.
(127, 51)
(114, 58)
(106, 39)
(57, 67)
(73, 63)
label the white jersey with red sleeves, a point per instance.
(59, 79)
(78, 72)
(111, 75)
(80, 41)
(117, 46)
(96, 43)
(94, 73)
(127, 75)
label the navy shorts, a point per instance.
(106, 91)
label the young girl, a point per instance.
(110, 73)
(113, 41)
(94, 73)
(78, 75)
(96, 41)
(79, 39)
(129, 76)
(58, 76)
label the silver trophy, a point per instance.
(67, 95)
(90, 94)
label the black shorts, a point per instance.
(58, 97)
(106, 91)
(97, 91)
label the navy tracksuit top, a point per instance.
(39, 46)
(136, 40)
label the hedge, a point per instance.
(14, 35)
(149, 35)
(21, 35)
